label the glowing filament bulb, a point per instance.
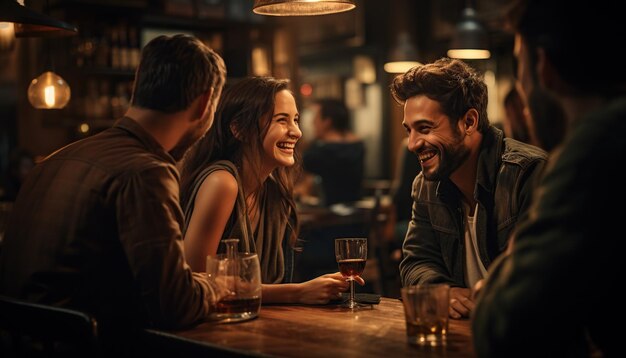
(49, 91)
(49, 96)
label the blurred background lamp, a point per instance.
(30, 23)
(49, 91)
(403, 55)
(301, 7)
(470, 40)
(7, 36)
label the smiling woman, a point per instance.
(238, 182)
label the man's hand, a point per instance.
(461, 302)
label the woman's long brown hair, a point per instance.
(247, 106)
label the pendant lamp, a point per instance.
(403, 55)
(470, 40)
(301, 7)
(30, 23)
(49, 91)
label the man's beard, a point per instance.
(451, 157)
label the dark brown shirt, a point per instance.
(96, 226)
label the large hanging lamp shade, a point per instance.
(301, 7)
(30, 23)
(470, 40)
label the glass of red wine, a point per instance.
(351, 254)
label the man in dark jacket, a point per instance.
(96, 225)
(474, 184)
(555, 295)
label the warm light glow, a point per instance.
(49, 96)
(400, 66)
(84, 128)
(301, 7)
(7, 35)
(364, 69)
(49, 91)
(469, 54)
(306, 90)
(260, 61)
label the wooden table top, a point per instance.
(324, 331)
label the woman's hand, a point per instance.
(322, 289)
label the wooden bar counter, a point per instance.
(314, 331)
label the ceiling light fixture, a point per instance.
(30, 23)
(301, 7)
(470, 41)
(403, 55)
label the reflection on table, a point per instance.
(309, 331)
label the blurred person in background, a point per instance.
(474, 182)
(407, 169)
(515, 120)
(336, 155)
(555, 293)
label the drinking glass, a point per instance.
(426, 313)
(351, 254)
(238, 277)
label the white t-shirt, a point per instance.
(474, 268)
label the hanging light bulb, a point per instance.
(49, 91)
(301, 7)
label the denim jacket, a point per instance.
(433, 248)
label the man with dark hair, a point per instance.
(96, 225)
(336, 155)
(554, 295)
(474, 183)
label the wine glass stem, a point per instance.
(352, 301)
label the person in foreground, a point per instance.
(555, 294)
(474, 183)
(97, 225)
(237, 182)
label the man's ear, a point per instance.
(469, 122)
(204, 104)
